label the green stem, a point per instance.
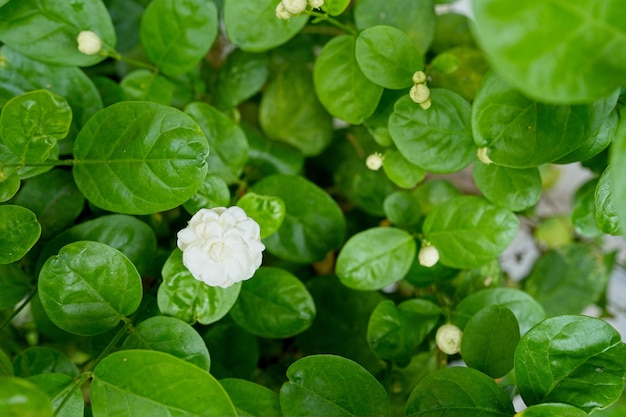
(18, 310)
(78, 383)
(127, 325)
(116, 55)
(332, 21)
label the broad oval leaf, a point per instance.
(458, 392)
(606, 215)
(43, 360)
(562, 354)
(240, 77)
(14, 285)
(144, 85)
(148, 382)
(89, 287)
(67, 400)
(469, 232)
(375, 258)
(251, 399)
(273, 304)
(438, 139)
(267, 211)
(515, 189)
(140, 158)
(554, 50)
(176, 34)
(552, 410)
(19, 231)
(19, 397)
(400, 171)
(323, 385)
(335, 7)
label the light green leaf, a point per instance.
(511, 188)
(144, 85)
(267, 211)
(22, 398)
(552, 410)
(598, 142)
(606, 215)
(10, 183)
(67, 400)
(19, 231)
(403, 173)
(251, 399)
(583, 210)
(335, 7)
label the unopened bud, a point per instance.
(316, 4)
(294, 6)
(374, 161)
(282, 13)
(426, 105)
(419, 93)
(89, 43)
(448, 339)
(419, 77)
(482, 156)
(428, 256)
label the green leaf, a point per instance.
(460, 69)
(253, 26)
(400, 210)
(155, 383)
(583, 211)
(228, 143)
(234, 351)
(606, 215)
(469, 232)
(416, 19)
(177, 34)
(43, 360)
(59, 387)
(403, 173)
(9, 184)
(267, 211)
(251, 399)
(170, 335)
(241, 76)
(438, 139)
(598, 142)
(144, 85)
(140, 158)
(567, 280)
(14, 285)
(271, 157)
(520, 132)
(555, 50)
(19, 231)
(31, 124)
(388, 57)
(562, 354)
(552, 410)
(394, 333)
(306, 235)
(341, 86)
(375, 258)
(458, 392)
(21, 398)
(511, 188)
(55, 25)
(89, 287)
(323, 385)
(489, 341)
(6, 367)
(526, 309)
(214, 192)
(182, 296)
(335, 7)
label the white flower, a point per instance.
(428, 256)
(419, 77)
(448, 339)
(294, 6)
(482, 156)
(374, 161)
(89, 43)
(316, 4)
(221, 246)
(282, 13)
(419, 93)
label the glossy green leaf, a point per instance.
(31, 124)
(403, 173)
(43, 360)
(526, 309)
(182, 296)
(394, 333)
(6, 367)
(378, 122)
(460, 69)
(400, 209)
(55, 25)
(241, 76)
(267, 211)
(144, 85)
(214, 192)
(520, 132)
(307, 127)
(567, 280)
(552, 410)
(562, 354)
(253, 26)
(274, 304)
(9, 185)
(598, 142)
(89, 287)
(340, 84)
(228, 143)
(140, 158)
(14, 285)
(515, 189)
(234, 352)
(251, 399)
(323, 385)
(22, 398)
(469, 232)
(584, 211)
(154, 383)
(306, 235)
(458, 392)
(438, 139)
(176, 34)
(387, 56)
(19, 231)
(415, 18)
(58, 387)
(170, 335)
(489, 341)
(606, 214)
(375, 258)
(555, 50)
(335, 7)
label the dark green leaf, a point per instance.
(6, 367)
(43, 360)
(21, 398)
(606, 214)
(58, 387)
(9, 185)
(234, 351)
(14, 285)
(214, 192)
(268, 212)
(251, 399)
(598, 142)
(467, 66)
(144, 85)
(19, 231)
(552, 410)
(241, 76)
(515, 189)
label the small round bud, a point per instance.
(294, 6)
(482, 156)
(374, 161)
(316, 4)
(448, 339)
(419, 77)
(426, 105)
(419, 93)
(428, 256)
(89, 43)
(282, 13)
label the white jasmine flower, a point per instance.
(89, 43)
(428, 256)
(419, 77)
(316, 4)
(448, 339)
(482, 156)
(374, 161)
(419, 93)
(294, 6)
(221, 246)
(282, 13)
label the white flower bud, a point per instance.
(282, 13)
(374, 161)
(221, 246)
(426, 105)
(482, 156)
(419, 77)
(294, 6)
(428, 256)
(316, 4)
(448, 339)
(89, 43)
(419, 93)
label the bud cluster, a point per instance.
(288, 8)
(420, 93)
